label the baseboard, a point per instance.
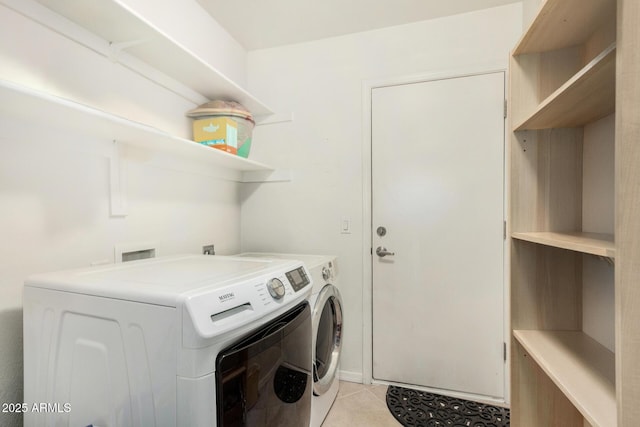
(352, 377)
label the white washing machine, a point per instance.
(327, 320)
(175, 341)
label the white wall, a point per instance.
(529, 11)
(321, 83)
(54, 185)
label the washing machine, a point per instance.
(188, 340)
(327, 321)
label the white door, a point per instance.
(437, 189)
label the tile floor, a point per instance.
(359, 405)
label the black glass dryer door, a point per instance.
(265, 378)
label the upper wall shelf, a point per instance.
(115, 22)
(22, 103)
(588, 96)
(564, 23)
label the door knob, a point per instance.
(383, 252)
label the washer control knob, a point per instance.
(276, 288)
(326, 273)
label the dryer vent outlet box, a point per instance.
(141, 254)
(135, 251)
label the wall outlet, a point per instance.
(208, 250)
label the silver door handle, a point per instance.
(383, 252)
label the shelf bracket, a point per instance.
(115, 49)
(266, 176)
(273, 119)
(117, 182)
(608, 260)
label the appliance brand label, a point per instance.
(226, 297)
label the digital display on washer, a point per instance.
(298, 278)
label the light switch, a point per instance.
(345, 225)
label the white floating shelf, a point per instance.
(21, 103)
(116, 23)
(582, 369)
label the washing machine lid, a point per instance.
(162, 280)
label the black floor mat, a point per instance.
(413, 408)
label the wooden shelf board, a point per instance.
(586, 97)
(564, 23)
(589, 243)
(31, 106)
(583, 370)
(116, 23)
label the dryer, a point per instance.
(174, 341)
(327, 321)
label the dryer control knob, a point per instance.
(326, 273)
(276, 288)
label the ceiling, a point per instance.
(259, 24)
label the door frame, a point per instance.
(367, 257)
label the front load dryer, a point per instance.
(327, 321)
(174, 341)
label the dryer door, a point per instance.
(265, 378)
(327, 325)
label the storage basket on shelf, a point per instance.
(225, 125)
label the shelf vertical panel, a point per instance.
(546, 287)
(546, 180)
(627, 182)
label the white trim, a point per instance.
(428, 77)
(507, 245)
(367, 277)
(352, 377)
(367, 301)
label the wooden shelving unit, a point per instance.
(577, 62)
